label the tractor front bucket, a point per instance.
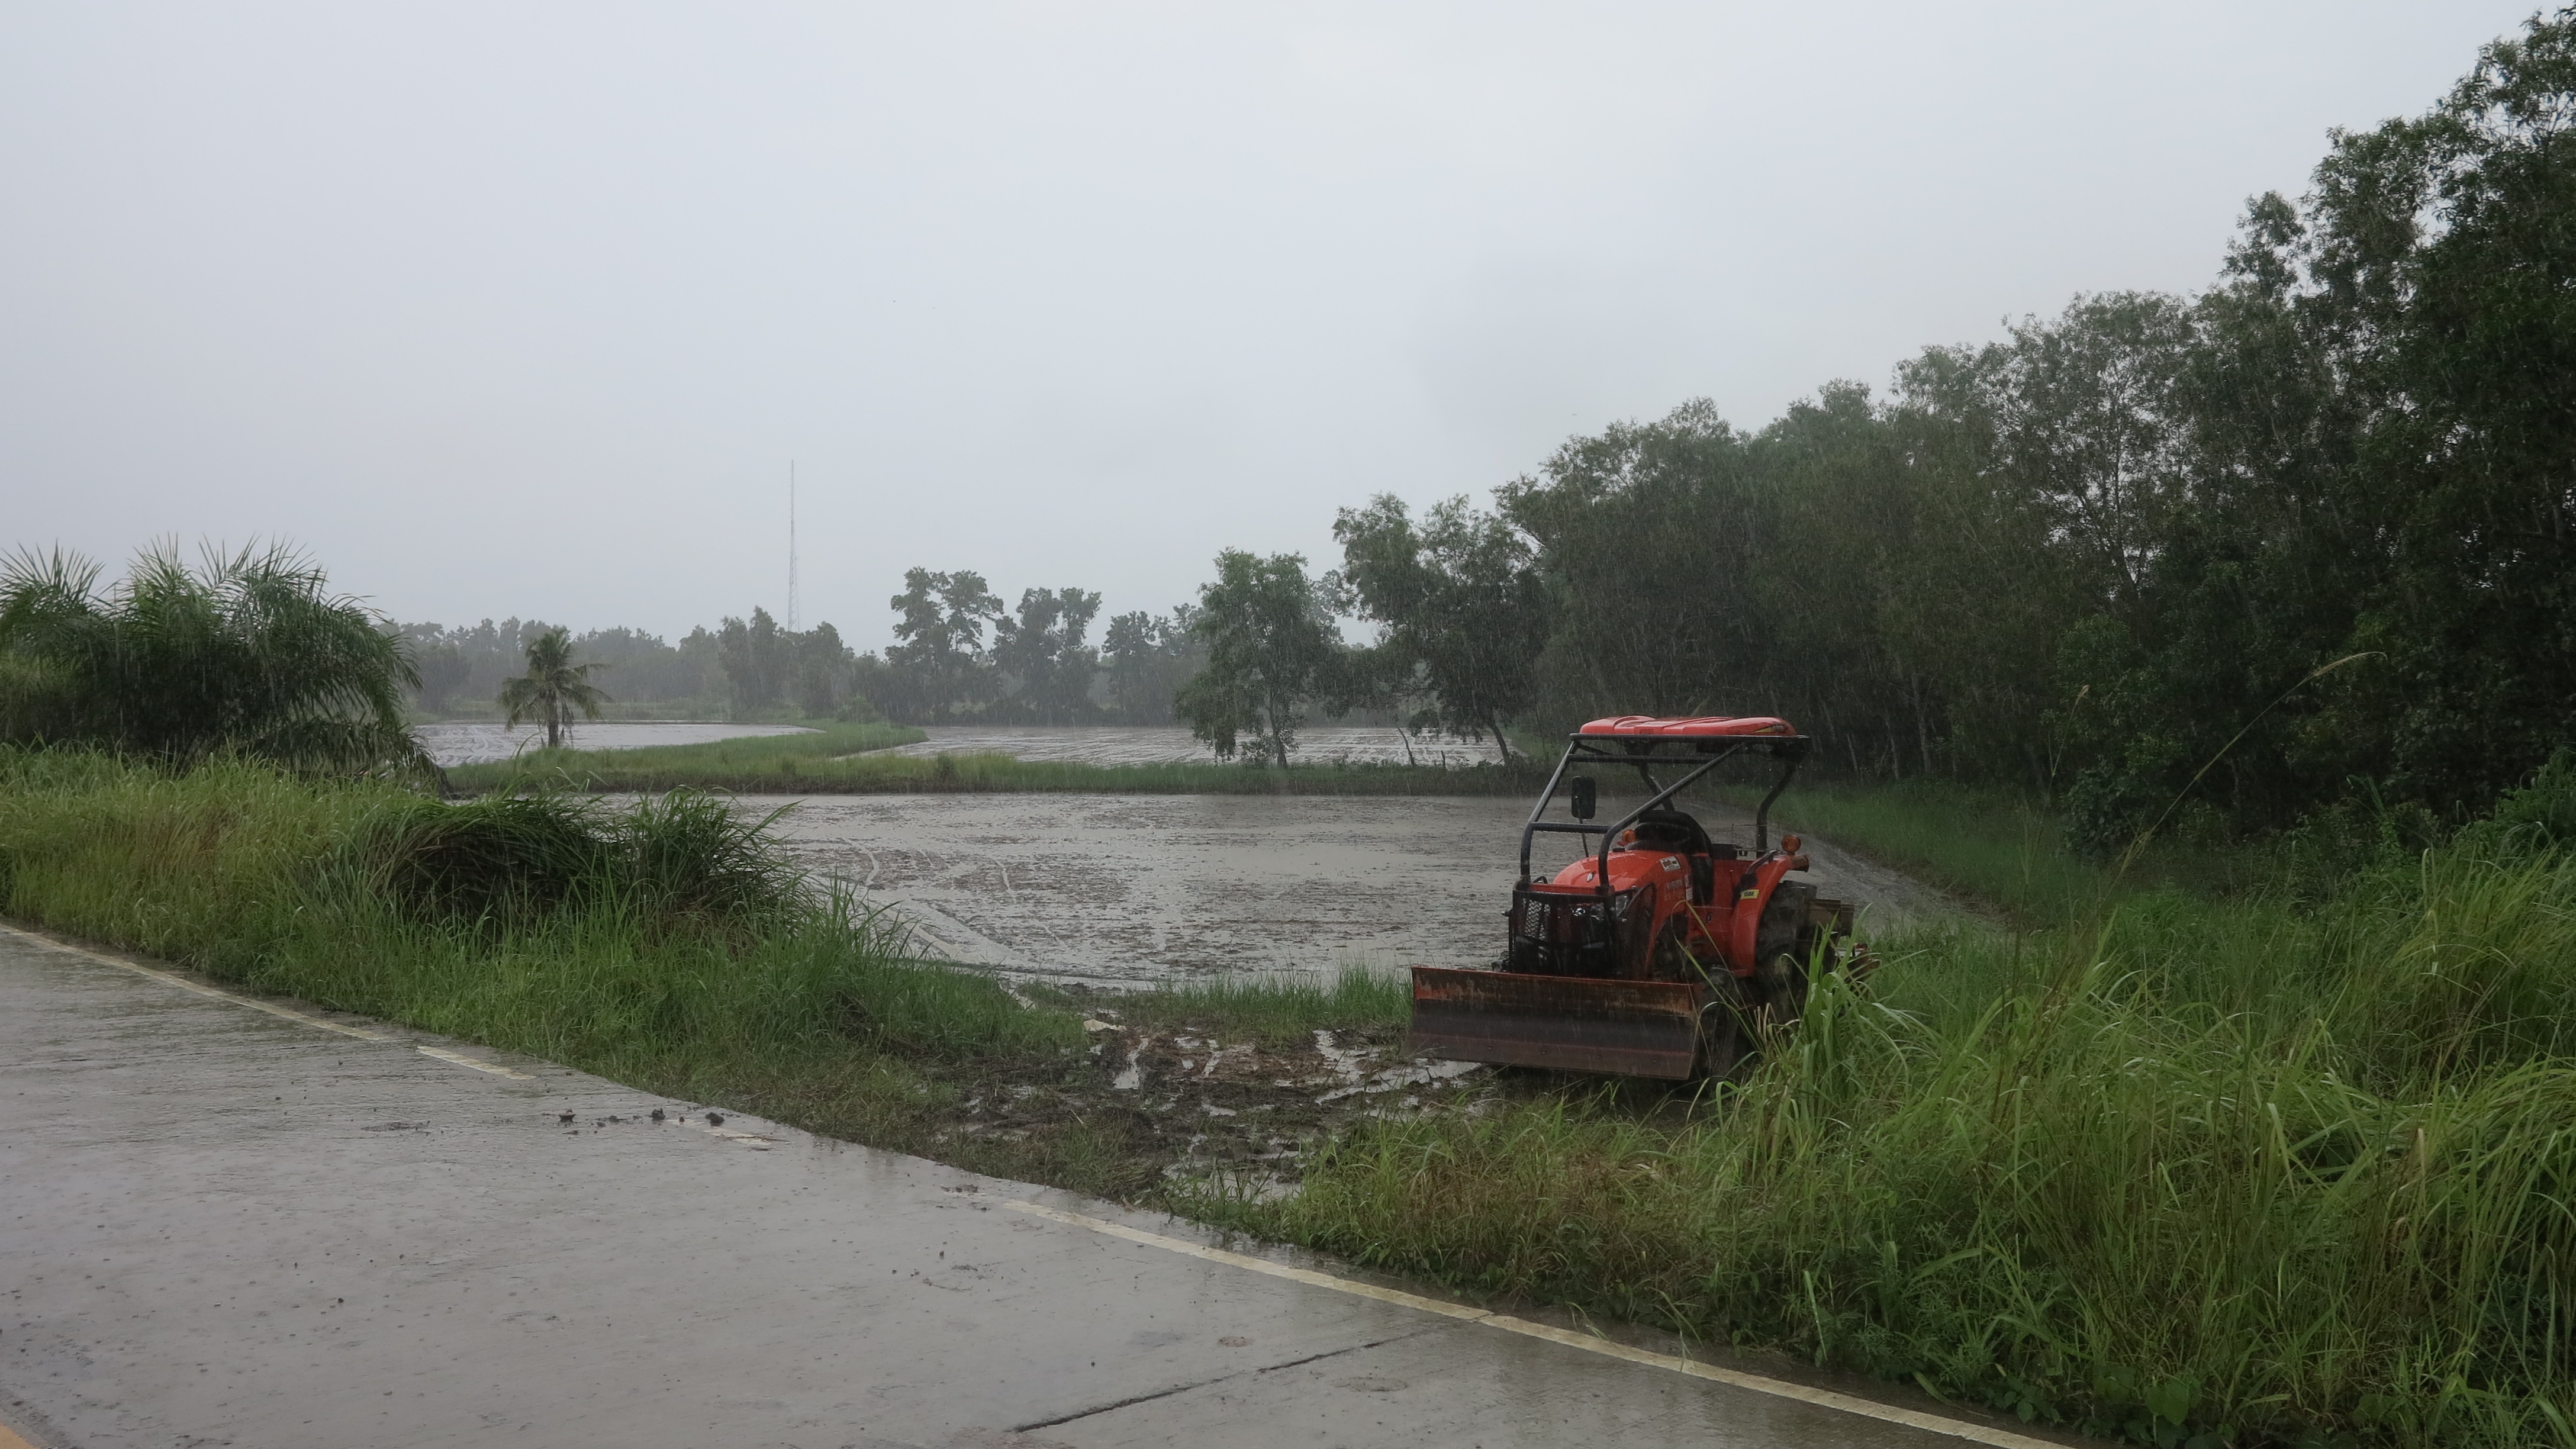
(1570, 1023)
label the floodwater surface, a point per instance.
(1152, 887)
(474, 742)
(1171, 745)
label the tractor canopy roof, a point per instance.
(1714, 726)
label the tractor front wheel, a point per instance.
(1783, 984)
(1671, 960)
(1725, 1034)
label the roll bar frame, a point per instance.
(1640, 754)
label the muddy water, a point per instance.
(1166, 745)
(1144, 887)
(472, 742)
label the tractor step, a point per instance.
(1568, 1023)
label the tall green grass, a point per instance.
(663, 943)
(2009, 853)
(1990, 847)
(2227, 1170)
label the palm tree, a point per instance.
(249, 652)
(553, 687)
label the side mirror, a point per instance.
(1585, 798)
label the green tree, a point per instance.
(1647, 539)
(1464, 611)
(248, 652)
(1147, 660)
(2438, 263)
(821, 670)
(1042, 648)
(2382, 463)
(755, 660)
(1272, 647)
(443, 669)
(554, 689)
(938, 664)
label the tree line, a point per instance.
(960, 655)
(2307, 534)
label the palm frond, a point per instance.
(247, 651)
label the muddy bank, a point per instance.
(1191, 1100)
(1138, 888)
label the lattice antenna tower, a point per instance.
(791, 545)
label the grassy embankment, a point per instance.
(2171, 1165)
(835, 760)
(664, 945)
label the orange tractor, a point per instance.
(1662, 953)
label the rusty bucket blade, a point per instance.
(1569, 1023)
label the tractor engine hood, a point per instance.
(1628, 868)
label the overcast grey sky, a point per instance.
(523, 309)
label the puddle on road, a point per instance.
(1118, 888)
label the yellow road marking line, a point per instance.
(462, 1060)
(1735, 1378)
(10, 1440)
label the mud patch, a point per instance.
(1189, 1105)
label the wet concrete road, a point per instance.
(1150, 887)
(220, 1226)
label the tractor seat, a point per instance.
(1676, 831)
(1670, 830)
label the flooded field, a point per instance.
(1170, 745)
(472, 742)
(1149, 887)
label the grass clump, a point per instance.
(511, 857)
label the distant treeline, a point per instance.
(959, 655)
(2327, 505)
